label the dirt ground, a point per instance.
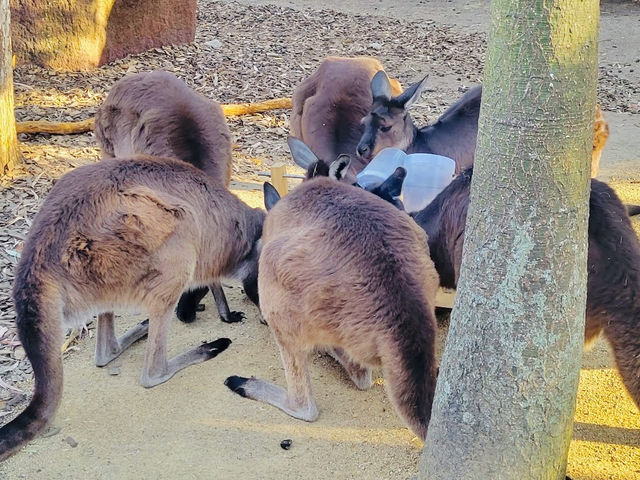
(109, 427)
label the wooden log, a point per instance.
(236, 109)
(68, 128)
(59, 128)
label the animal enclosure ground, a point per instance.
(192, 426)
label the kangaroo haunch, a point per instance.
(329, 105)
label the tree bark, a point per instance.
(506, 391)
(8, 138)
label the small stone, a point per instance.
(375, 46)
(72, 443)
(286, 444)
(51, 431)
(114, 369)
(19, 353)
(213, 43)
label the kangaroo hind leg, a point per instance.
(361, 376)
(156, 368)
(296, 401)
(108, 347)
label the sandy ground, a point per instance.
(109, 427)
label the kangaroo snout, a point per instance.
(363, 150)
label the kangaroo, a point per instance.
(328, 106)
(123, 234)
(345, 271)
(388, 190)
(389, 124)
(613, 285)
(157, 114)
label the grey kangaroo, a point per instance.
(157, 114)
(344, 271)
(613, 286)
(389, 124)
(120, 235)
(329, 105)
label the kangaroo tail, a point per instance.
(633, 210)
(410, 374)
(39, 328)
(623, 334)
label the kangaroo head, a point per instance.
(390, 189)
(389, 123)
(305, 158)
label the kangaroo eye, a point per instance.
(385, 129)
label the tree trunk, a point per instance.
(8, 138)
(506, 391)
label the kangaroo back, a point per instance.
(157, 114)
(329, 105)
(613, 288)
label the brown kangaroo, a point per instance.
(613, 285)
(345, 271)
(329, 105)
(118, 235)
(157, 114)
(389, 124)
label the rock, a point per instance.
(375, 46)
(71, 442)
(83, 35)
(213, 43)
(19, 353)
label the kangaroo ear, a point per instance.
(338, 168)
(380, 86)
(410, 95)
(392, 186)
(271, 195)
(302, 155)
(318, 169)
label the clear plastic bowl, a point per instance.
(381, 167)
(427, 175)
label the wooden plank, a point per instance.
(277, 178)
(445, 298)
